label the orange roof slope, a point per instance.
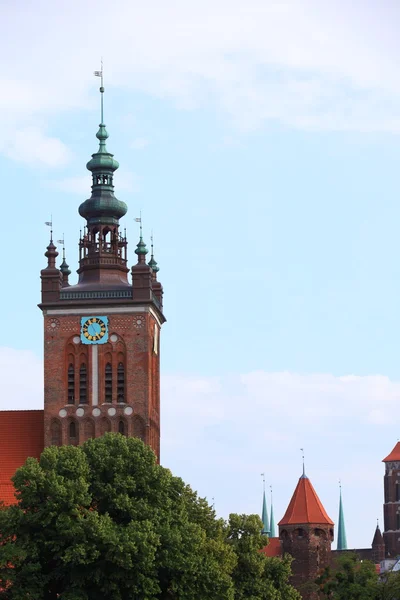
(21, 436)
(305, 506)
(394, 455)
(273, 548)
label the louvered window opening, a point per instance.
(108, 383)
(121, 383)
(71, 384)
(83, 395)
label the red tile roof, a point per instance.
(394, 455)
(305, 506)
(273, 548)
(21, 436)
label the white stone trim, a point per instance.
(95, 374)
(103, 310)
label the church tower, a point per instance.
(306, 533)
(102, 335)
(391, 507)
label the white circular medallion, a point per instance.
(63, 413)
(111, 412)
(128, 410)
(76, 339)
(96, 412)
(138, 322)
(114, 338)
(80, 412)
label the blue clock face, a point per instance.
(94, 330)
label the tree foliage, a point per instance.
(105, 521)
(352, 579)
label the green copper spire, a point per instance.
(141, 249)
(64, 267)
(341, 540)
(152, 262)
(102, 207)
(272, 520)
(264, 516)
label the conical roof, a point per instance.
(394, 455)
(305, 506)
(341, 539)
(264, 516)
(378, 537)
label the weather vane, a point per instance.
(100, 74)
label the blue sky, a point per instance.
(261, 142)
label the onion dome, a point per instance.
(102, 207)
(141, 249)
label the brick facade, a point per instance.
(133, 343)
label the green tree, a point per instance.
(255, 576)
(352, 579)
(104, 521)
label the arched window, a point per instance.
(73, 434)
(89, 429)
(397, 491)
(105, 425)
(55, 433)
(121, 427)
(108, 383)
(83, 395)
(121, 383)
(397, 521)
(139, 428)
(71, 384)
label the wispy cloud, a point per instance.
(309, 65)
(33, 147)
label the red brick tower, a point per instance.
(101, 336)
(306, 533)
(391, 507)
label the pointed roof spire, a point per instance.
(305, 507)
(341, 539)
(51, 253)
(304, 468)
(264, 516)
(152, 262)
(378, 537)
(394, 456)
(272, 519)
(141, 249)
(103, 206)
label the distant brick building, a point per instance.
(101, 338)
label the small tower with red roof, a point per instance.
(306, 533)
(378, 546)
(391, 507)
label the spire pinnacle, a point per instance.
(141, 249)
(152, 262)
(341, 540)
(304, 476)
(272, 519)
(264, 516)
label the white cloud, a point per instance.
(21, 375)
(33, 147)
(310, 65)
(140, 143)
(220, 433)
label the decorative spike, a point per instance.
(264, 516)
(152, 262)
(341, 539)
(304, 467)
(272, 519)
